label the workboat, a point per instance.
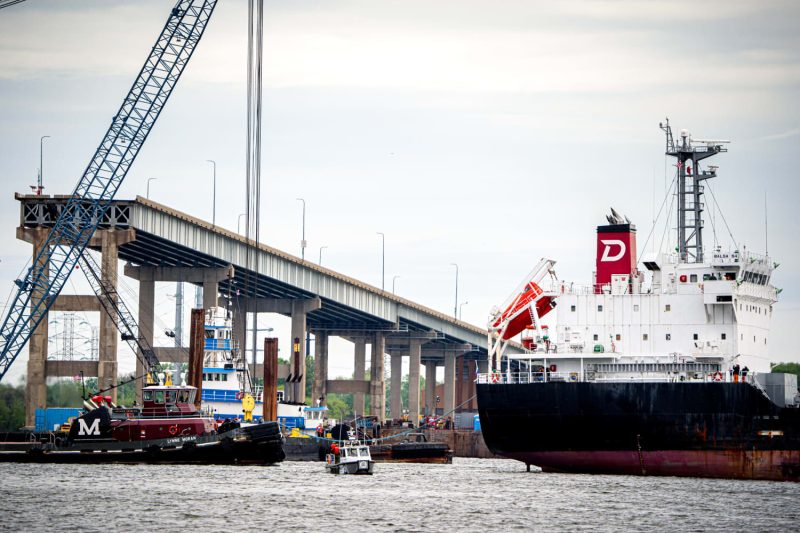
(352, 456)
(167, 428)
(226, 377)
(660, 371)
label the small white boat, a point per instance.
(352, 457)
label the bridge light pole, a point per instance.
(320, 254)
(148, 186)
(462, 304)
(303, 240)
(383, 260)
(393, 280)
(214, 194)
(455, 307)
(39, 184)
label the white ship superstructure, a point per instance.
(686, 314)
(721, 308)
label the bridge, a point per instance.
(160, 244)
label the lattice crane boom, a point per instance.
(102, 178)
(120, 314)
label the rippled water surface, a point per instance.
(469, 495)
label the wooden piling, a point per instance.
(270, 396)
(196, 352)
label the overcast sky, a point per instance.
(487, 134)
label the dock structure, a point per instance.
(160, 244)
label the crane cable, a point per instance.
(255, 40)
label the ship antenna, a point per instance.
(766, 232)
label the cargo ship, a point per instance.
(658, 371)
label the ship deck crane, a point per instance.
(523, 309)
(90, 200)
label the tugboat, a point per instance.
(352, 457)
(166, 429)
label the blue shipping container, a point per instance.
(47, 419)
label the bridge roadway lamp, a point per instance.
(148, 186)
(383, 260)
(303, 239)
(213, 194)
(40, 183)
(455, 307)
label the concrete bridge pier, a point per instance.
(35, 382)
(415, 358)
(105, 369)
(430, 388)
(109, 242)
(395, 396)
(320, 367)
(359, 373)
(377, 385)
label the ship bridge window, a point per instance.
(147, 396)
(183, 396)
(172, 396)
(159, 396)
(209, 334)
(730, 276)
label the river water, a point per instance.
(469, 495)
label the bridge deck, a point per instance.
(166, 237)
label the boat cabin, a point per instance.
(160, 400)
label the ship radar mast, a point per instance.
(689, 152)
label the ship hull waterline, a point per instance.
(720, 430)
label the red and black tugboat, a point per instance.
(167, 428)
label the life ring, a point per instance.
(495, 378)
(173, 429)
(718, 376)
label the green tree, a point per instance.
(12, 407)
(310, 379)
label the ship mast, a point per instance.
(690, 188)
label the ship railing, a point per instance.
(527, 377)
(522, 378)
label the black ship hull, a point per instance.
(255, 445)
(726, 430)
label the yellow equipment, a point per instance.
(248, 404)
